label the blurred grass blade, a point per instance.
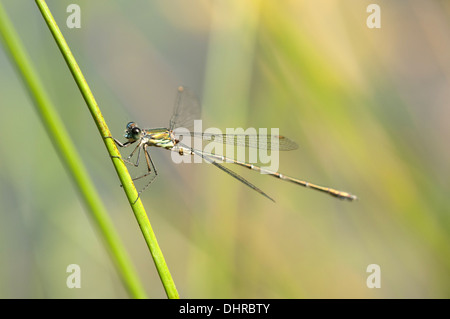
(122, 171)
(68, 155)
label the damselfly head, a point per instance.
(132, 132)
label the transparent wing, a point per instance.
(187, 109)
(226, 170)
(267, 142)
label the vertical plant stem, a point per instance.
(120, 167)
(69, 156)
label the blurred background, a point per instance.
(369, 109)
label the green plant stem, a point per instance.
(69, 156)
(120, 167)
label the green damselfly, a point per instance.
(187, 109)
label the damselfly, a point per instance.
(187, 109)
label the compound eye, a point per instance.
(130, 125)
(136, 131)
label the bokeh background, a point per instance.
(369, 109)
